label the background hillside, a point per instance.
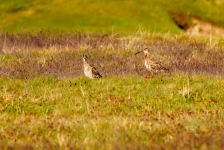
(105, 15)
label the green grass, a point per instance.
(47, 103)
(118, 16)
(110, 112)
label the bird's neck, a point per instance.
(85, 62)
(146, 55)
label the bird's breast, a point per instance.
(147, 65)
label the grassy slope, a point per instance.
(91, 15)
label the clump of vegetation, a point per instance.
(47, 103)
(61, 53)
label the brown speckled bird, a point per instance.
(152, 65)
(89, 70)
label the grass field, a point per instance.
(111, 15)
(47, 103)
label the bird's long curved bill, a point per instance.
(138, 52)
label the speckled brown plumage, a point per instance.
(152, 65)
(89, 70)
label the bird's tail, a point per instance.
(99, 76)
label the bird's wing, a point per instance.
(158, 66)
(155, 62)
(95, 72)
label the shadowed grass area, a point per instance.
(120, 16)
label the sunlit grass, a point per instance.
(110, 112)
(47, 103)
(119, 16)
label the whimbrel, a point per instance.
(152, 65)
(89, 70)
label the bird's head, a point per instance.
(145, 51)
(84, 58)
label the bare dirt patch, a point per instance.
(195, 26)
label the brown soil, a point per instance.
(194, 26)
(204, 28)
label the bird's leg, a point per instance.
(154, 73)
(169, 73)
(151, 74)
(163, 74)
(148, 75)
